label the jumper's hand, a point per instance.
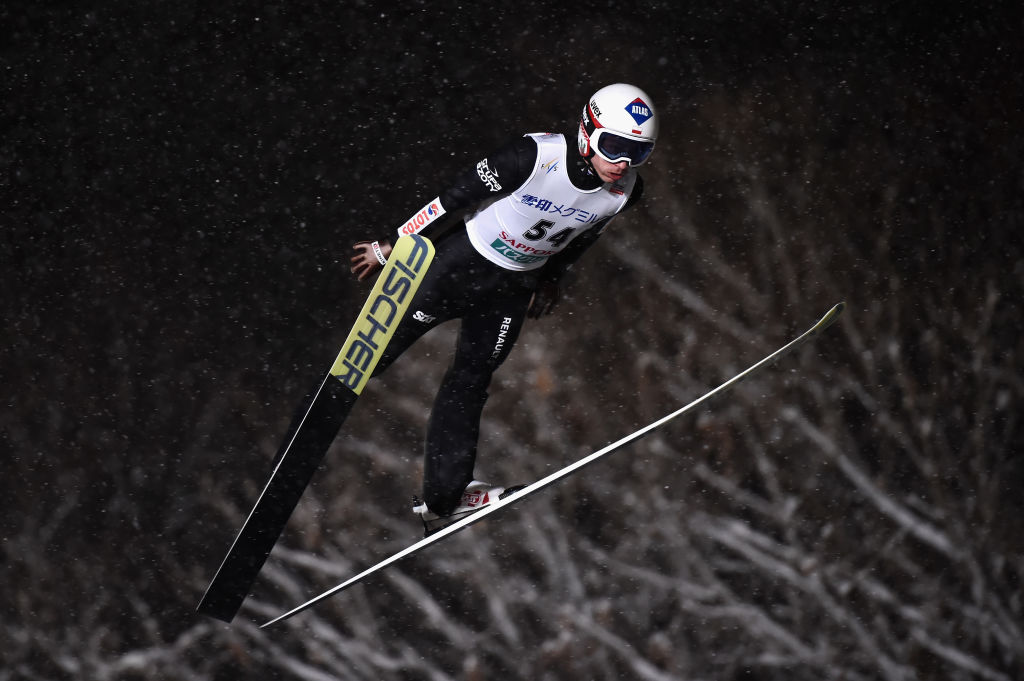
(365, 263)
(544, 300)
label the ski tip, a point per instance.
(830, 317)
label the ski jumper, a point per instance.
(537, 209)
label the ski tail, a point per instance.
(317, 427)
(289, 479)
(830, 317)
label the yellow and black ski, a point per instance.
(299, 458)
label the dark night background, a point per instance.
(180, 184)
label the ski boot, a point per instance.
(476, 496)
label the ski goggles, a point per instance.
(615, 148)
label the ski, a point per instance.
(526, 491)
(302, 454)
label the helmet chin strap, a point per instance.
(583, 161)
(585, 164)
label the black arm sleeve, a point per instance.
(495, 176)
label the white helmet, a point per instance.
(618, 123)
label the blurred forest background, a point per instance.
(180, 184)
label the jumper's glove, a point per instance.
(544, 299)
(369, 257)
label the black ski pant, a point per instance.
(491, 303)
